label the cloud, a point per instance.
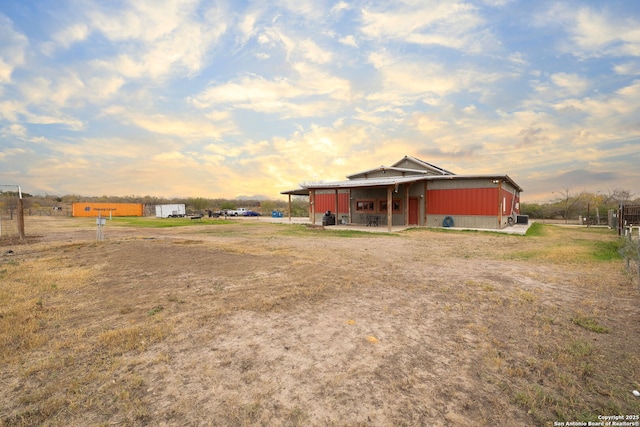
(558, 86)
(406, 80)
(295, 46)
(65, 120)
(532, 136)
(610, 113)
(99, 148)
(313, 153)
(144, 20)
(457, 26)
(13, 130)
(183, 128)
(9, 153)
(221, 151)
(497, 3)
(13, 46)
(597, 32)
(310, 10)
(170, 157)
(593, 32)
(310, 91)
(451, 153)
(348, 41)
(247, 27)
(55, 91)
(248, 90)
(158, 39)
(11, 110)
(518, 58)
(339, 7)
(313, 52)
(571, 84)
(576, 180)
(631, 68)
(65, 38)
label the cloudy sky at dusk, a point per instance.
(227, 98)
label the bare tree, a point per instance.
(618, 196)
(569, 202)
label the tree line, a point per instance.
(568, 205)
(36, 204)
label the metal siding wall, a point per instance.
(417, 189)
(327, 202)
(382, 174)
(448, 184)
(463, 201)
(510, 199)
(369, 193)
(468, 221)
(507, 197)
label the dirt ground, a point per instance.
(271, 324)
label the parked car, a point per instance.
(251, 213)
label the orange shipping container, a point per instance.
(106, 209)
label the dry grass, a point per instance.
(279, 326)
(62, 367)
(30, 301)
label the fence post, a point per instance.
(21, 219)
(638, 256)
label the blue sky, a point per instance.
(227, 98)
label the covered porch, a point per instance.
(382, 203)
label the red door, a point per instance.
(413, 211)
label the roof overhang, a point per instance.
(296, 192)
(369, 182)
(393, 181)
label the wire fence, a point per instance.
(11, 215)
(8, 215)
(631, 252)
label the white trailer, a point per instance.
(170, 211)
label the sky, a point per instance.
(222, 99)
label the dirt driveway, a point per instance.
(237, 323)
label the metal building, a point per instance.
(414, 192)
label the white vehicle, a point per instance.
(170, 211)
(237, 212)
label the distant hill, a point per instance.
(256, 197)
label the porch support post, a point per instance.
(424, 205)
(499, 204)
(389, 207)
(312, 206)
(289, 207)
(336, 211)
(406, 204)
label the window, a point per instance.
(397, 206)
(365, 205)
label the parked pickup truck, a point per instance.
(237, 212)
